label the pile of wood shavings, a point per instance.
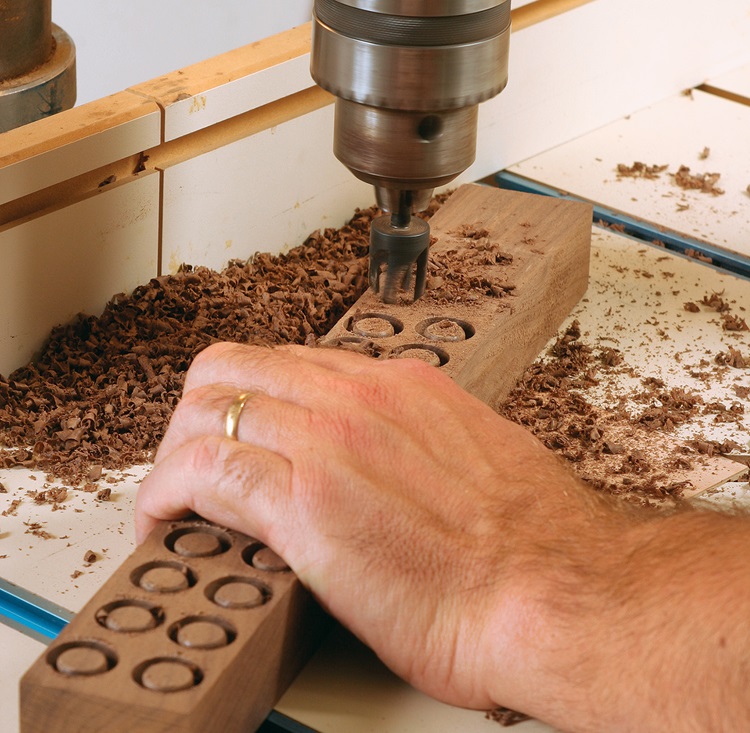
(102, 392)
(461, 274)
(703, 182)
(612, 449)
(640, 170)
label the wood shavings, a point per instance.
(37, 529)
(619, 450)
(716, 302)
(506, 717)
(703, 182)
(12, 509)
(695, 255)
(733, 357)
(51, 496)
(101, 393)
(462, 275)
(640, 170)
(731, 322)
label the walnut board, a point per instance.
(547, 244)
(200, 629)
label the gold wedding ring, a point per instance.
(232, 422)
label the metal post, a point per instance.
(37, 63)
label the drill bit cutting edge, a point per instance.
(408, 76)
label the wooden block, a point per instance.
(547, 243)
(39, 155)
(200, 629)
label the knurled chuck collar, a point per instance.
(418, 55)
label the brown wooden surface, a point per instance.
(548, 240)
(240, 681)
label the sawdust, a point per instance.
(640, 170)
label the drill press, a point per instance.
(408, 76)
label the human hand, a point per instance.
(406, 506)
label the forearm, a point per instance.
(641, 624)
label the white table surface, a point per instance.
(674, 132)
(17, 652)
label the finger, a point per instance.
(223, 481)
(276, 371)
(315, 377)
(266, 422)
(332, 434)
(336, 360)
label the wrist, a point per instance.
(550, 630)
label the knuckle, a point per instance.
(204, 456)
(194, 404)
(205, 361)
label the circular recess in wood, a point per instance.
(374, 325)
(130, 616)
(264, 558)
(163, 576)
(82, 658)
(167, 674)
(202, 632)
(445, 329)
(433, 355)
(198, 540)
(238, 592)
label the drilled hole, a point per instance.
(202, 632)
(167, 674)
(163, 577)
(82, 658)
(198, 541)
(424, 352)
(375, 325)
(445, 329)
(129, 616)
(264, 558)
(238, 592)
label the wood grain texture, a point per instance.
(548, 241)
(214, 649)
(52, 151)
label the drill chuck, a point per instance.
(408, 76)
